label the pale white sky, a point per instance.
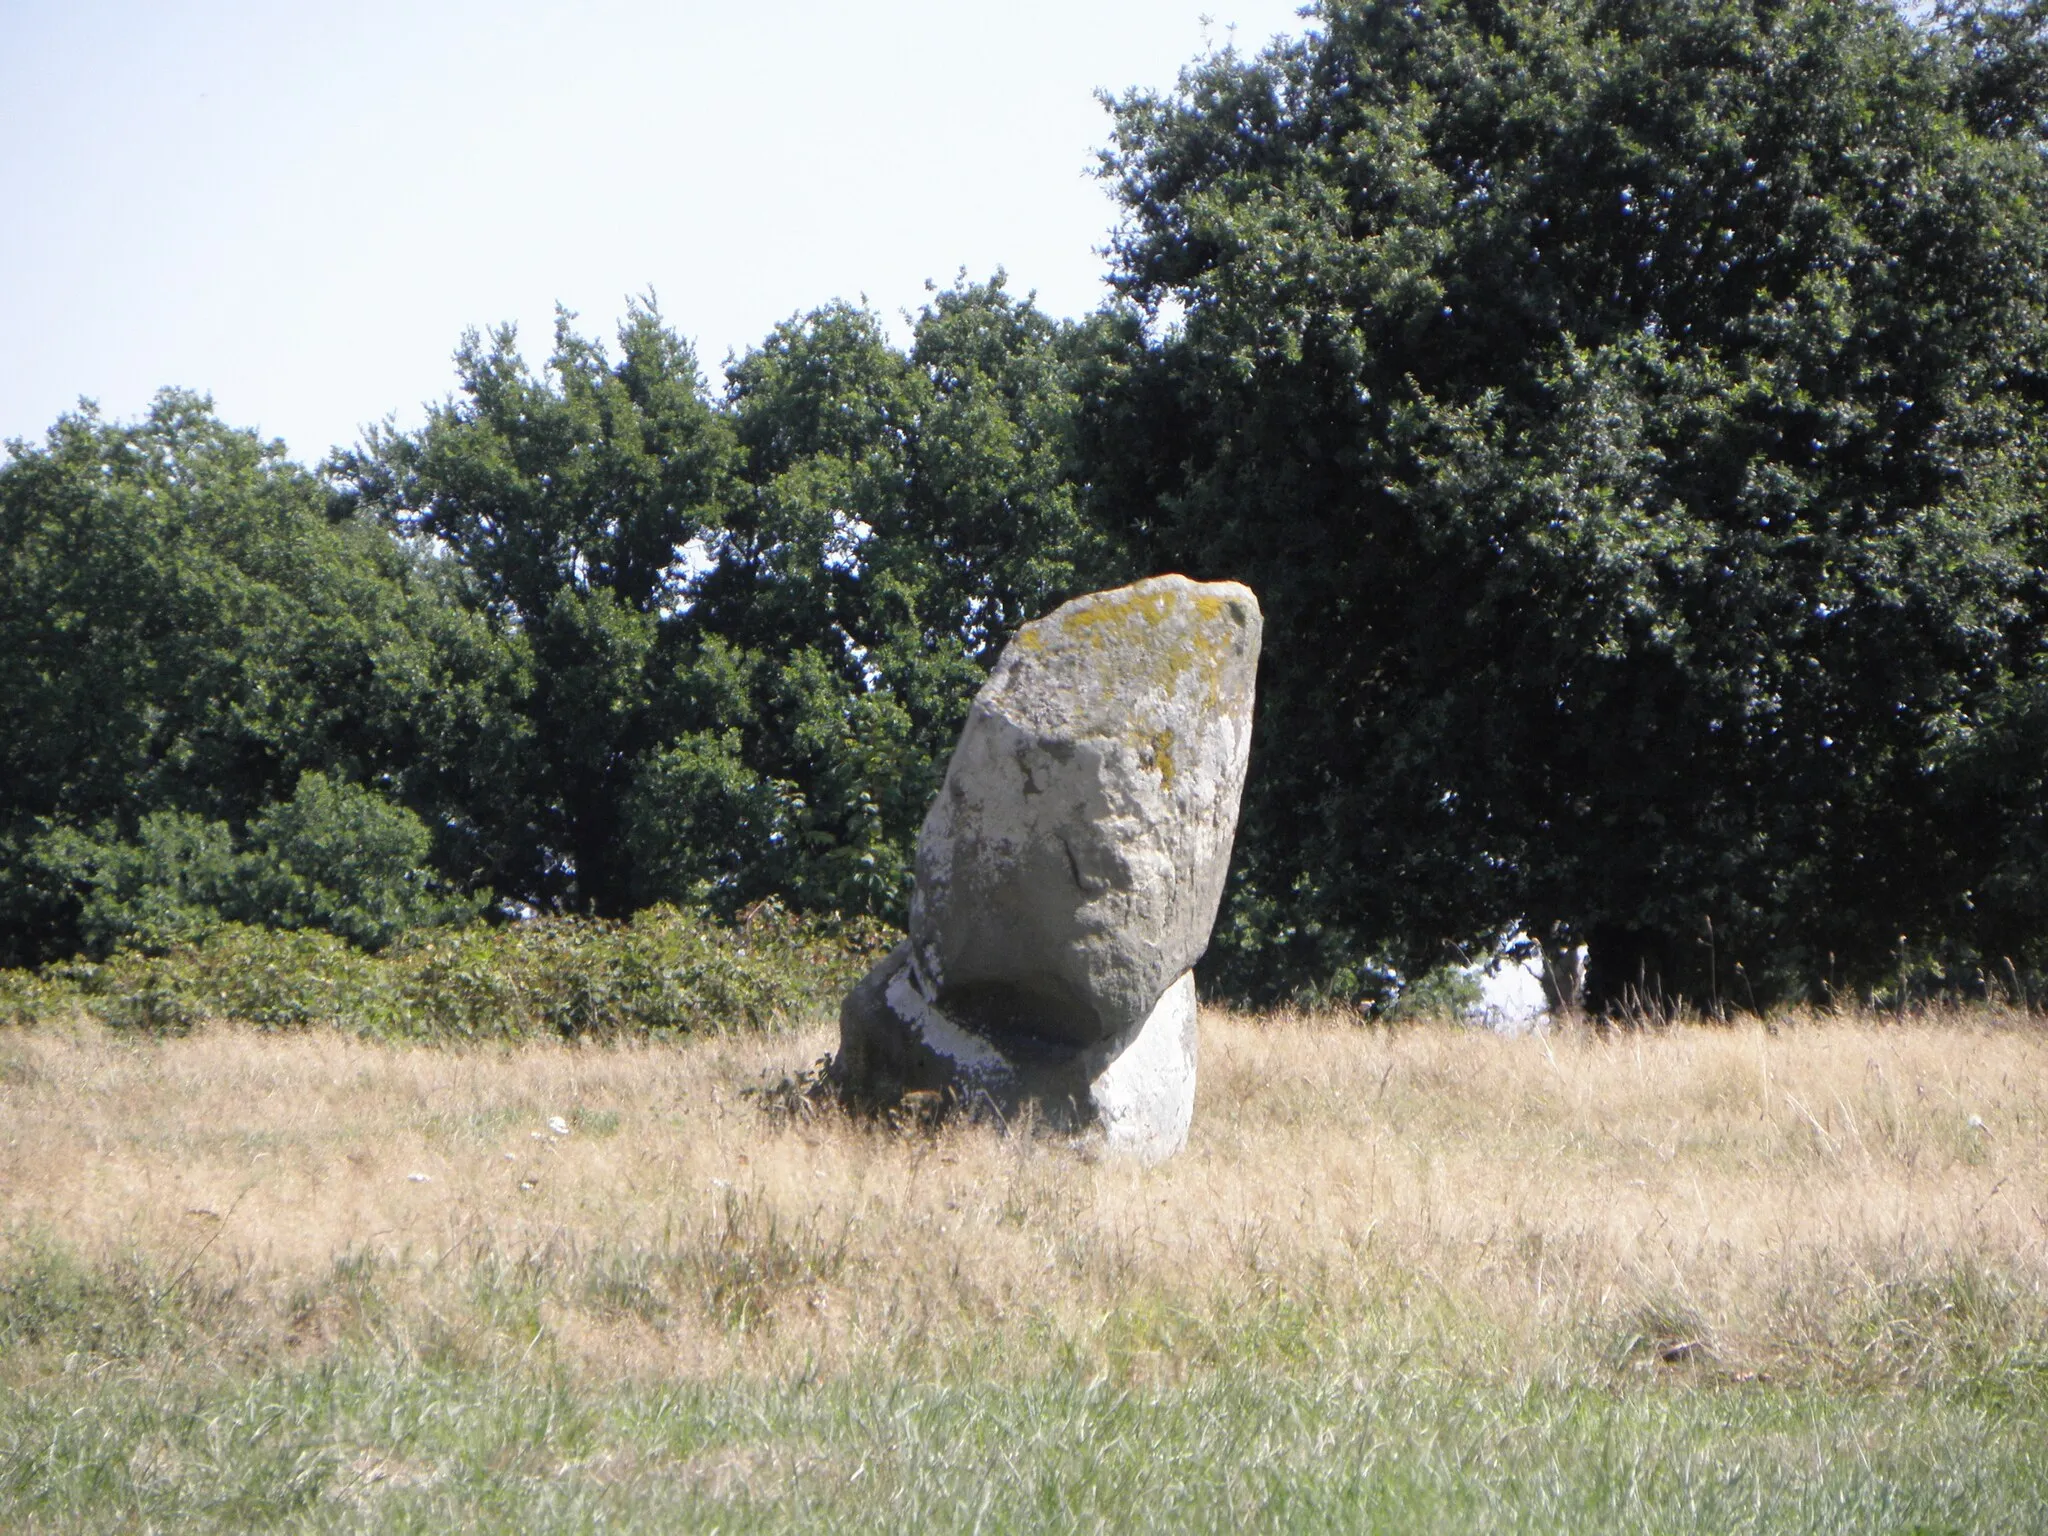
(298, 207)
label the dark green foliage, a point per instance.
(567, 502)
(1631, 417)
(588, 640)
(339, 857)
(166, 887)
(897, 518)
(1629, 412)
(335, 856)
(753, 625)
(185, 636)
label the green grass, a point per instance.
(387, 1443)
(133, 1402)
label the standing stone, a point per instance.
(1069, 871)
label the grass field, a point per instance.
(1697, 1279)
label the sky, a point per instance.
(299, 208)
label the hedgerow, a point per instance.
(665, 972)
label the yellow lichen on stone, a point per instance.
(1158, 633)
(1112, 615)
(1157, 754)
(1114, 618)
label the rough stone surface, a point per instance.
(1069, 871)
(1071, 866)
(1139, 1091)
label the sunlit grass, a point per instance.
(1697, 1279)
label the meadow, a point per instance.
(1780, 1276)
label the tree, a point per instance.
(751, 626)
(1630, 413)
(569, 504)
(335, 856)
(896, 518)
(185, 632)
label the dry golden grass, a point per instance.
(1825, 1197)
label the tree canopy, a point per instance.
(1630, 414)
(199, 663)
(589, 639)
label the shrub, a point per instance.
(343, 858)
(666, 972)
(335, 857)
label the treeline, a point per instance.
(587, 641)
(1633, 417)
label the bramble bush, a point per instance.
(665, 972)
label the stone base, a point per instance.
(1144, 1095)
(1138, 1091)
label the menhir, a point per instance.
(1069, 872)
